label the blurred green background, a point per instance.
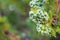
(16, 20)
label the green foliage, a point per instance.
(3, 20)
(50, 7)
(20, 4)
(12, 17)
